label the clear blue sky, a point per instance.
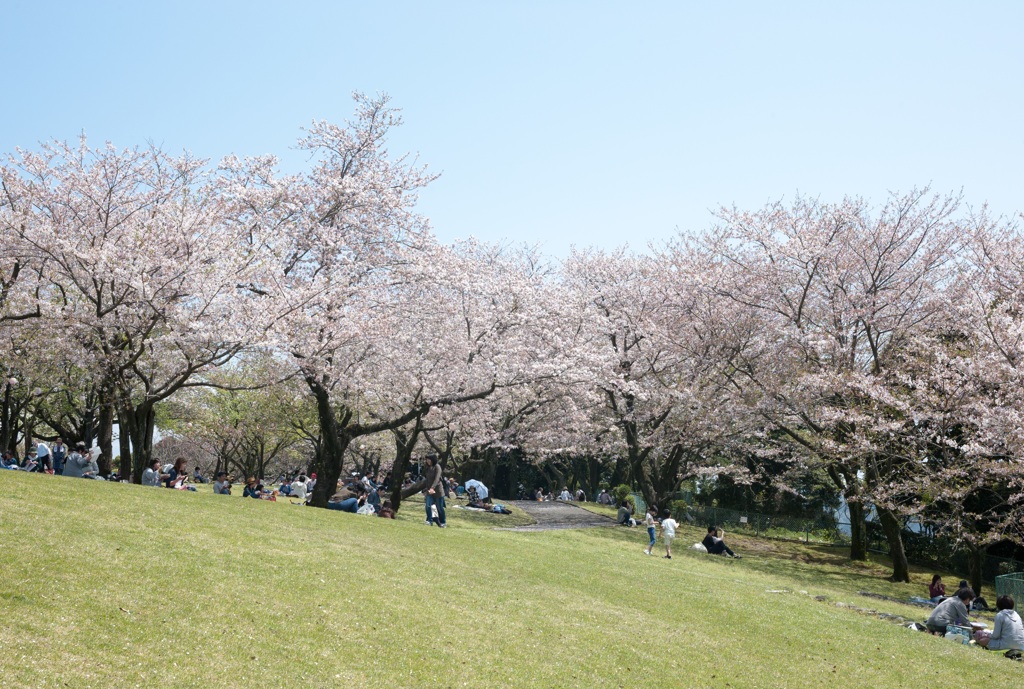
(559, 123)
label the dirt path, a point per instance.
(558, 515)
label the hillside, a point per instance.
(112, 585)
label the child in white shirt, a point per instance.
(668, 532)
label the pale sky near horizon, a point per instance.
(553, 123)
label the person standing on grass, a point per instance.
(431, 484)
(433, 478)
(59, 452)
(651, 523)
(668, 532)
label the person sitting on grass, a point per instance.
(386, 510)
(625, 515)
(936, 590)
(251, 490)
(222, 486)
(76, 462)
(953, 611)
(298, 487)
(152, 476)
(1007, 632)
(178, 475)
(716, 545)
(7, 461)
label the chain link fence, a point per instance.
(921, 548)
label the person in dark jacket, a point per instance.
(432, 486)
(715, 545)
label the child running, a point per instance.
(668, 532)
(651, 522)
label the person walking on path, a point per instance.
(668, 532)
(650, 522)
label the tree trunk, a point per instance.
(975, 562)
(124, 445)
(328, 466)
(858, 531)
(105, 439)
(7, 421)
(893, 534)
(404, 445)
(621, 473)
(594, 468)
(140, 422)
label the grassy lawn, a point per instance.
(111, 585)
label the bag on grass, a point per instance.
(699, 547)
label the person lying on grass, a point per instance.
(715, 544)
(1007, 632)
(953, 611)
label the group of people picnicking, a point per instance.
(355, 493)
(58, 460)
(952, 613)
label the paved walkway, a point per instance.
(558, 515)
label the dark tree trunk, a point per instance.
(594, 469)
(124, 446)
(140, 422)
(621, 472)
(893, 534)
(975, 562)
(858, 530)
(405, 443)
(105, 439)
(8, 421)
(328, 465)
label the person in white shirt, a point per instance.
(222, 486)
(668, 532)
(564, 496)
(151, 476)
(299, 488)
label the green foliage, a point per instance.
(623, 493)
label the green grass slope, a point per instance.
(111, 585)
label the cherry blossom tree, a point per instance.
(833, 291)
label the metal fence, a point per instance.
(1011, 585)
(921, 548)
(819, 529)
